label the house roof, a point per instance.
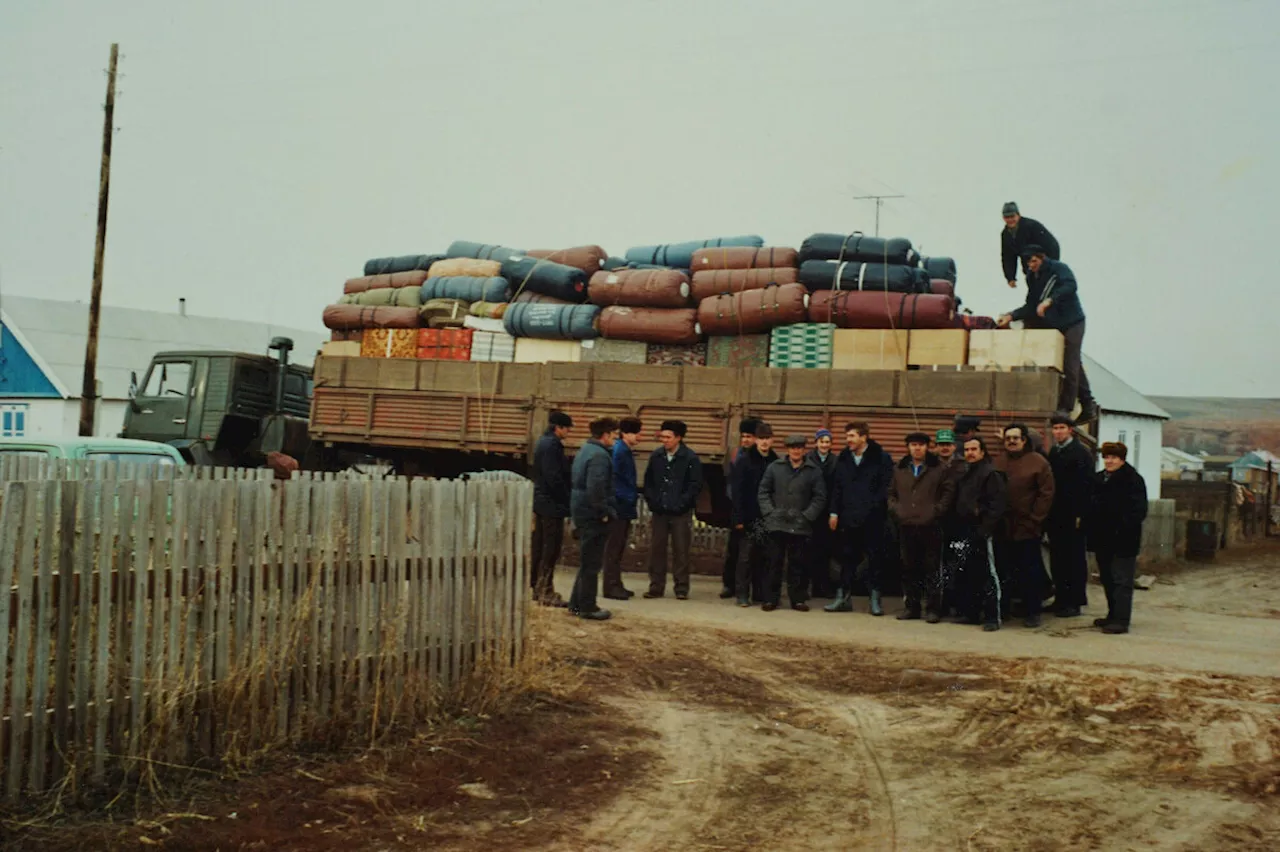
(54, 333)
(1114, 395)
(1257, 459)
(1181, 455)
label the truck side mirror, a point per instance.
(133, 391)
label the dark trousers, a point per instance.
(615, 548)
(678, 530)
(855, 544)
(548, 539)
(592, 536)
(787, 554)
(1117, 581)
(972, 560)
(1069, 566)
(1021, 568)
(818, 558)
(1075, 384)
(730, 571)
(753, 566)
(921, 549)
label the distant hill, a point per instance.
(1221, 425)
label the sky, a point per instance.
(263, 151)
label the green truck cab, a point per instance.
(92, 449)
(223, 408)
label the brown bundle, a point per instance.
(743, 257)
(347, 317)
(650, 325)
(713, 282)
(587, 258)
(942, 287)
(640, 288)
(868, 309)
(415, 278)
(753, 311)
(465, 266)
(402, 297)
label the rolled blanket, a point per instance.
(882, 310)
(413, 278)
(468, 288)
(856, 246)
(480, 251)
(640, 288)
(939, 267)
(753, 311)
(742, 257)
(348, 317)
(402, 263)
(557, 322)
(650, 325)
(546, 277)
(590, 259)
(713, 282)
(680, 255)
(402, 297)
(465, 266)
(438, 313)
(852, 275)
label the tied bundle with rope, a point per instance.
(895, 251)
(468, 288)
(753, 311)
(650, 325)
(859, 275)
(640, 288)
(385, 281)
(713, 282)
(546, 277)
(743, 257)
(852, 309)
(680, 255)
(401, 263)
(480, 251)
(403, 297)
(345, 317)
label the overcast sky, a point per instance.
(265, 150)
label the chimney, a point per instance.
(182, 307)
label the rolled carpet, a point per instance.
(742, 257)
(713, 282)
(939, 267)
(942, 287)
(412, 278)
(852, 275)
(753, 311)
(650, 325)
(555, 322)
(468, 288)
(856, 246)
(402, 297)
(882, 310)
(480, 251)
(640, 288)
(402, 263)
(455, 266)
(590, 259)
(349, 317)
(546, 277)
(680, 255)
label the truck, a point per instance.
(446, 418)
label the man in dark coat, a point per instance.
(625, 494)
(594, 509)
(1073, 472)
(1030, 482)
(820, 543)
(920, 496)
(981, 498)
(746, 440)
(792, 494)
(1117, 508)
(745, 519)
(551, 493)
(671, 485)
(1020, 232)
(856, 513)
(1053, 301)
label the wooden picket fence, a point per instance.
(147, 620)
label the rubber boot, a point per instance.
(876, 608)
(842, 603)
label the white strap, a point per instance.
(835, 282)
(862, 274)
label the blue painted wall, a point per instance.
(19, 375)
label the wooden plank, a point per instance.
(288, 606)
(142, 564)
(161, 569)
(224, 619)
(107, 507)
(368, 522)
(432, 585)
(332, 523)
(242, 606)
(319, 510)
(256, 668)
(938, 346)
(486, 512)
(42, 643)
(397, 609)
(417, 563)
(126, 518)
(67, 518)
(181, 544)
(90, 491)
(17, 495)
(1004, 349)
(523, 542)
(460, 612)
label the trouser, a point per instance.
(548, 539)
(972, 561)
(1021, 568)
(730, 571)
(921, 549)
(818, 558)
(1075, 384)
(1117, 573)
(753, 560)
(787, 553)
(856, 544)
(615, 548)
(592, 536)
(1069, 566)
(678, 529)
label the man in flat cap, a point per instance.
(671, 485)
(1020, 232)
(791, 498)
(551, 498)
(746, 441)
(1073, 474)
(920, 496)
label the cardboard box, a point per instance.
(938, 347)
(870, 349)
(535, 350)
(1005, 349)
(340, 349)
(493, 346)
(389, 343)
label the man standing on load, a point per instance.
(1019, 233)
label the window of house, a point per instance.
(1137, 448)
(168, 379)
(13, 420)
(1121, 437)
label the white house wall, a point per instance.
(56, 419)
(1144, 438)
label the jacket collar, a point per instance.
(871, 453)
(930, 460)
(808, 462)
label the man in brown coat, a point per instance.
(920, 497)
(1030, 498)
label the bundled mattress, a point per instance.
(680, 255)
(480, 251)
(443, 313)
(468, 288)
(590, 259)
(455, 266)
(546, 277)
(713, 282)
(753, 311)
(856, 246)
(557, 322)
(882, 310)
(403, 263)
(344, 317)
(853, 275)
(386, 281)
(742, 257)
(488, 310)
(939, 267)
(640, 288)
(650, 325)
(404, 297)
(942, 287)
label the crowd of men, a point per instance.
(966, 527)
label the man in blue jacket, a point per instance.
(1053, 302)
(550, 506)
(857, 512)
(594, 511)
(671, 485)
(625, 494)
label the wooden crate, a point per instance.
(534, 350)
(1005, 349)
(340, 349)
(938, 346)
(870, 349)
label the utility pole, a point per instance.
(879, 200)
(89, 390)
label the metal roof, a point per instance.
(54, 332)
(1114, 395)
